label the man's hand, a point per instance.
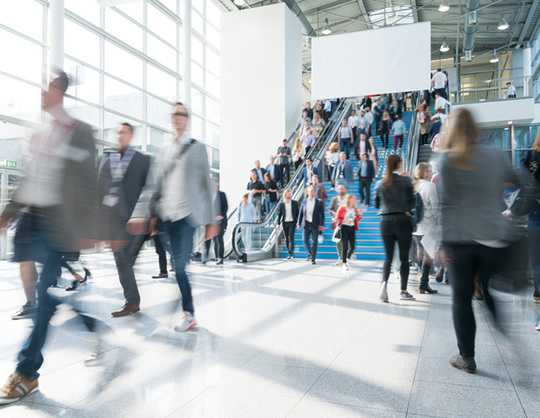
(137, 226)
(321, 228)
(152, 226)
(299, 227)
(211, 231)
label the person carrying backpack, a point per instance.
(426, 216)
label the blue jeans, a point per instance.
(534, 246)
(268, 205)
(30, 357)
(181, 240)
(346, 146)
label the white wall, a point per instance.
(519, 111)
(261, 89)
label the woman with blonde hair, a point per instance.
(426, 235)
(298, 153)
(474, 232)
(332, 158)
(347, 219)
(394, 197)
(386, 127)
(423, 116)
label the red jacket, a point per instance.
(340, 216)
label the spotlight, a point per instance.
(444, 46)
(444, 7)
(326, 30)
(503, 24)
(494, 58)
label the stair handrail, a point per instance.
(328, 135)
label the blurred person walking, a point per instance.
(287, 218)
(60, 190)
(332, 158)
(125, 190)
(336, 202)
(221, 207)
(347, 219)
(426, 235)
(394, 197)
(274, 170)
(399, 131)
(386, 128)
(311, 220)
(474, 232)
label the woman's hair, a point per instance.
(420, 172)
(536, 144)
(348, 199)
(461, 135)
(334, 147)
(297, 144)
(267, 178)
(420, 108)
(385, 115)
(392, 163)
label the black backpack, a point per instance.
(418, 211)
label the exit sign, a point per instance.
(10, 164)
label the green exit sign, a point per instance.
(11, 164)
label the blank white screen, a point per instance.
(374, 61)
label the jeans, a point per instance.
(268, 205)
(365, 184)
(423, 260)
(345, 146)
(398, 138)
(396, 228)
(534, 246)
(257, 202)
(311, 230)
(288, 231)
(466, 262)
(348, 240)
(181, 238)
(125, 260)
(285, 171)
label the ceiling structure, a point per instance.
(344, 16)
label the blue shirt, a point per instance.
(399, 128)
(345, 132)
(363, 169)
(246, 213)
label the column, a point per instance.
(56, 35)
(185, 36)
(527, 70)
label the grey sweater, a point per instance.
(472, 200)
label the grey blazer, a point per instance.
(471, 200)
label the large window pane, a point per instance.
(123, 65)
(212, 84)
(213, 36)
(212, 110)
(20, 100)
(160, 83)
(198, 4)
(20, 57)
(88, 10)
(197, 50)
(161, 53)
(213, 62)
(170, 4)
(82, 111)
(213, 158)
(197, 74)
(196, 102)
(196, 127)
(85, 82)
(156, 138)
(134, 9)
(213, 14)
(123, 98)
(161, 24)
(123, 29)
(81, 43)
(522, 137)
(197, 22)
(25, 16)
(212, 134)
(159, 112)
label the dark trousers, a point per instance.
(385, 134)
(466, 262)
(424, 139)
(160, 251)
(533, 228)
(424, 261)
(298, 163)
(125, 260)
(398, 138)
(219, 246)
(181, 238)
(288, 231)
(396, 228)
(365, 184)
(285, 172)
(311, 230)
(348, 241)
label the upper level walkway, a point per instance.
(275, 339)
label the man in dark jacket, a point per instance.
(221, 207)
(435, 128)
(311, 219)
(284, 159)
(287, 218)
(366, 174)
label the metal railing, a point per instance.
(265, 234)
(413, 146)
(492, 90)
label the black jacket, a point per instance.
(222, 207)
(282, 212)
(397, 199)
(370, 170)
(357, 149)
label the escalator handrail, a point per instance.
(329, 134)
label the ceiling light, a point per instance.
(509, 122)
(494, 58)
(326, 30)
(444, 46)
(503, 24)
(444, 7)
(310, 80)
(240, 2)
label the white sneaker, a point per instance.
(538, 326)
(187, 323)
(383, 294)
(339, 263)
(345, 267)
(406, 296)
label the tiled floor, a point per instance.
(276, 339)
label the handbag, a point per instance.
(337, 234)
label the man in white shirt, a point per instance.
(353, 122)
(511, 90)
(439, 82)
(441, 102)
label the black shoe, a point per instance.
(427, 289)
(439, 279)
(467, 364)
(220, 262)
(289, 257)
(73, 286)
(313, 262)
(160, 276)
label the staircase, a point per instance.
(369, 244)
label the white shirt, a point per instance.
(441, 102)
(369, 117)
(288, 212)
(310, 208)
(353, 121)
(511, 90)
(439, 80)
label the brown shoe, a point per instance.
(127, 309)
(16, 388)
(160, 276)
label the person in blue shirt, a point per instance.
(306, 177)
(247, 213)
(435, 128)
(399, 130)
(343, 172)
